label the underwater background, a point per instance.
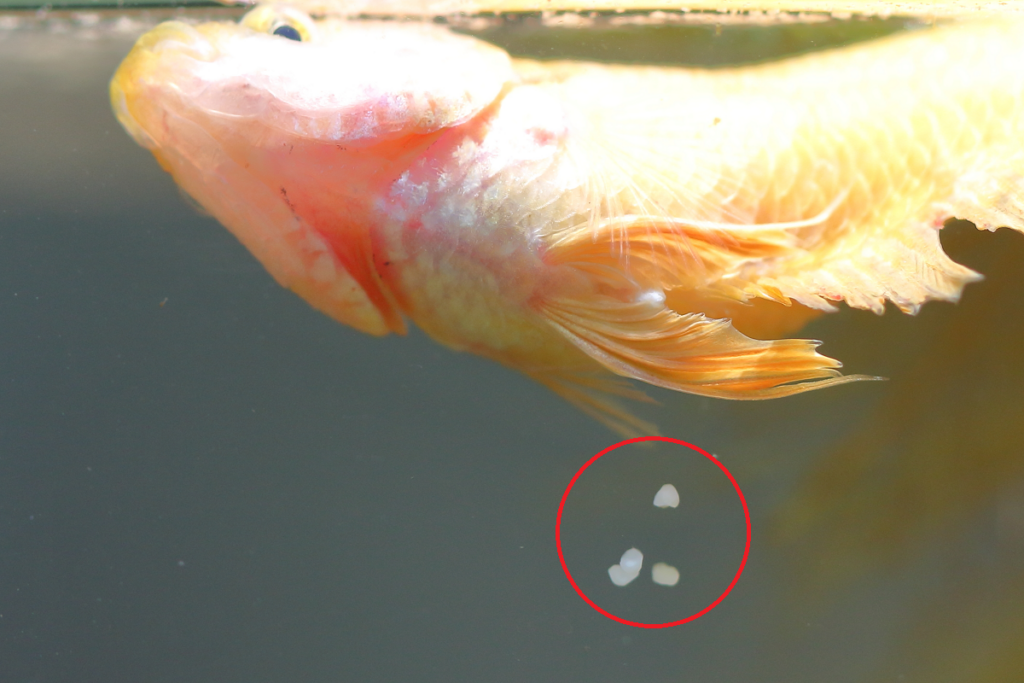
(203, 479)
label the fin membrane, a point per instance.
(597, 396)
(907, 267)
(669, 253)
(691, 353)
(992, 197)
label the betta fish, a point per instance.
(586, 223)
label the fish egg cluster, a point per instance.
(628, 568)
(632, 561)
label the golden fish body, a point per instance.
(584, 222)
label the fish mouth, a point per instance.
(152, 53)
(165, 94)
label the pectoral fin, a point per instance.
(692, 353)
(597, 396)
(670, 252)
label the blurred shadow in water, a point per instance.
(929, 490)
(202, 479)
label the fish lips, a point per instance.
(146, 64)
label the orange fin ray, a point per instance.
(676, 252)
(992, 197)
(596, 396)
(904, 264)
(691, 353)
(666, 253)
(907, 267)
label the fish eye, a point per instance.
(283, 21)
(289, 32)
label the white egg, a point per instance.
(664, 574)
(621, 577)
(632, 560)
(667, 497)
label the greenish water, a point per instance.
(202, 479)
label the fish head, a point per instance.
(291, 131)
